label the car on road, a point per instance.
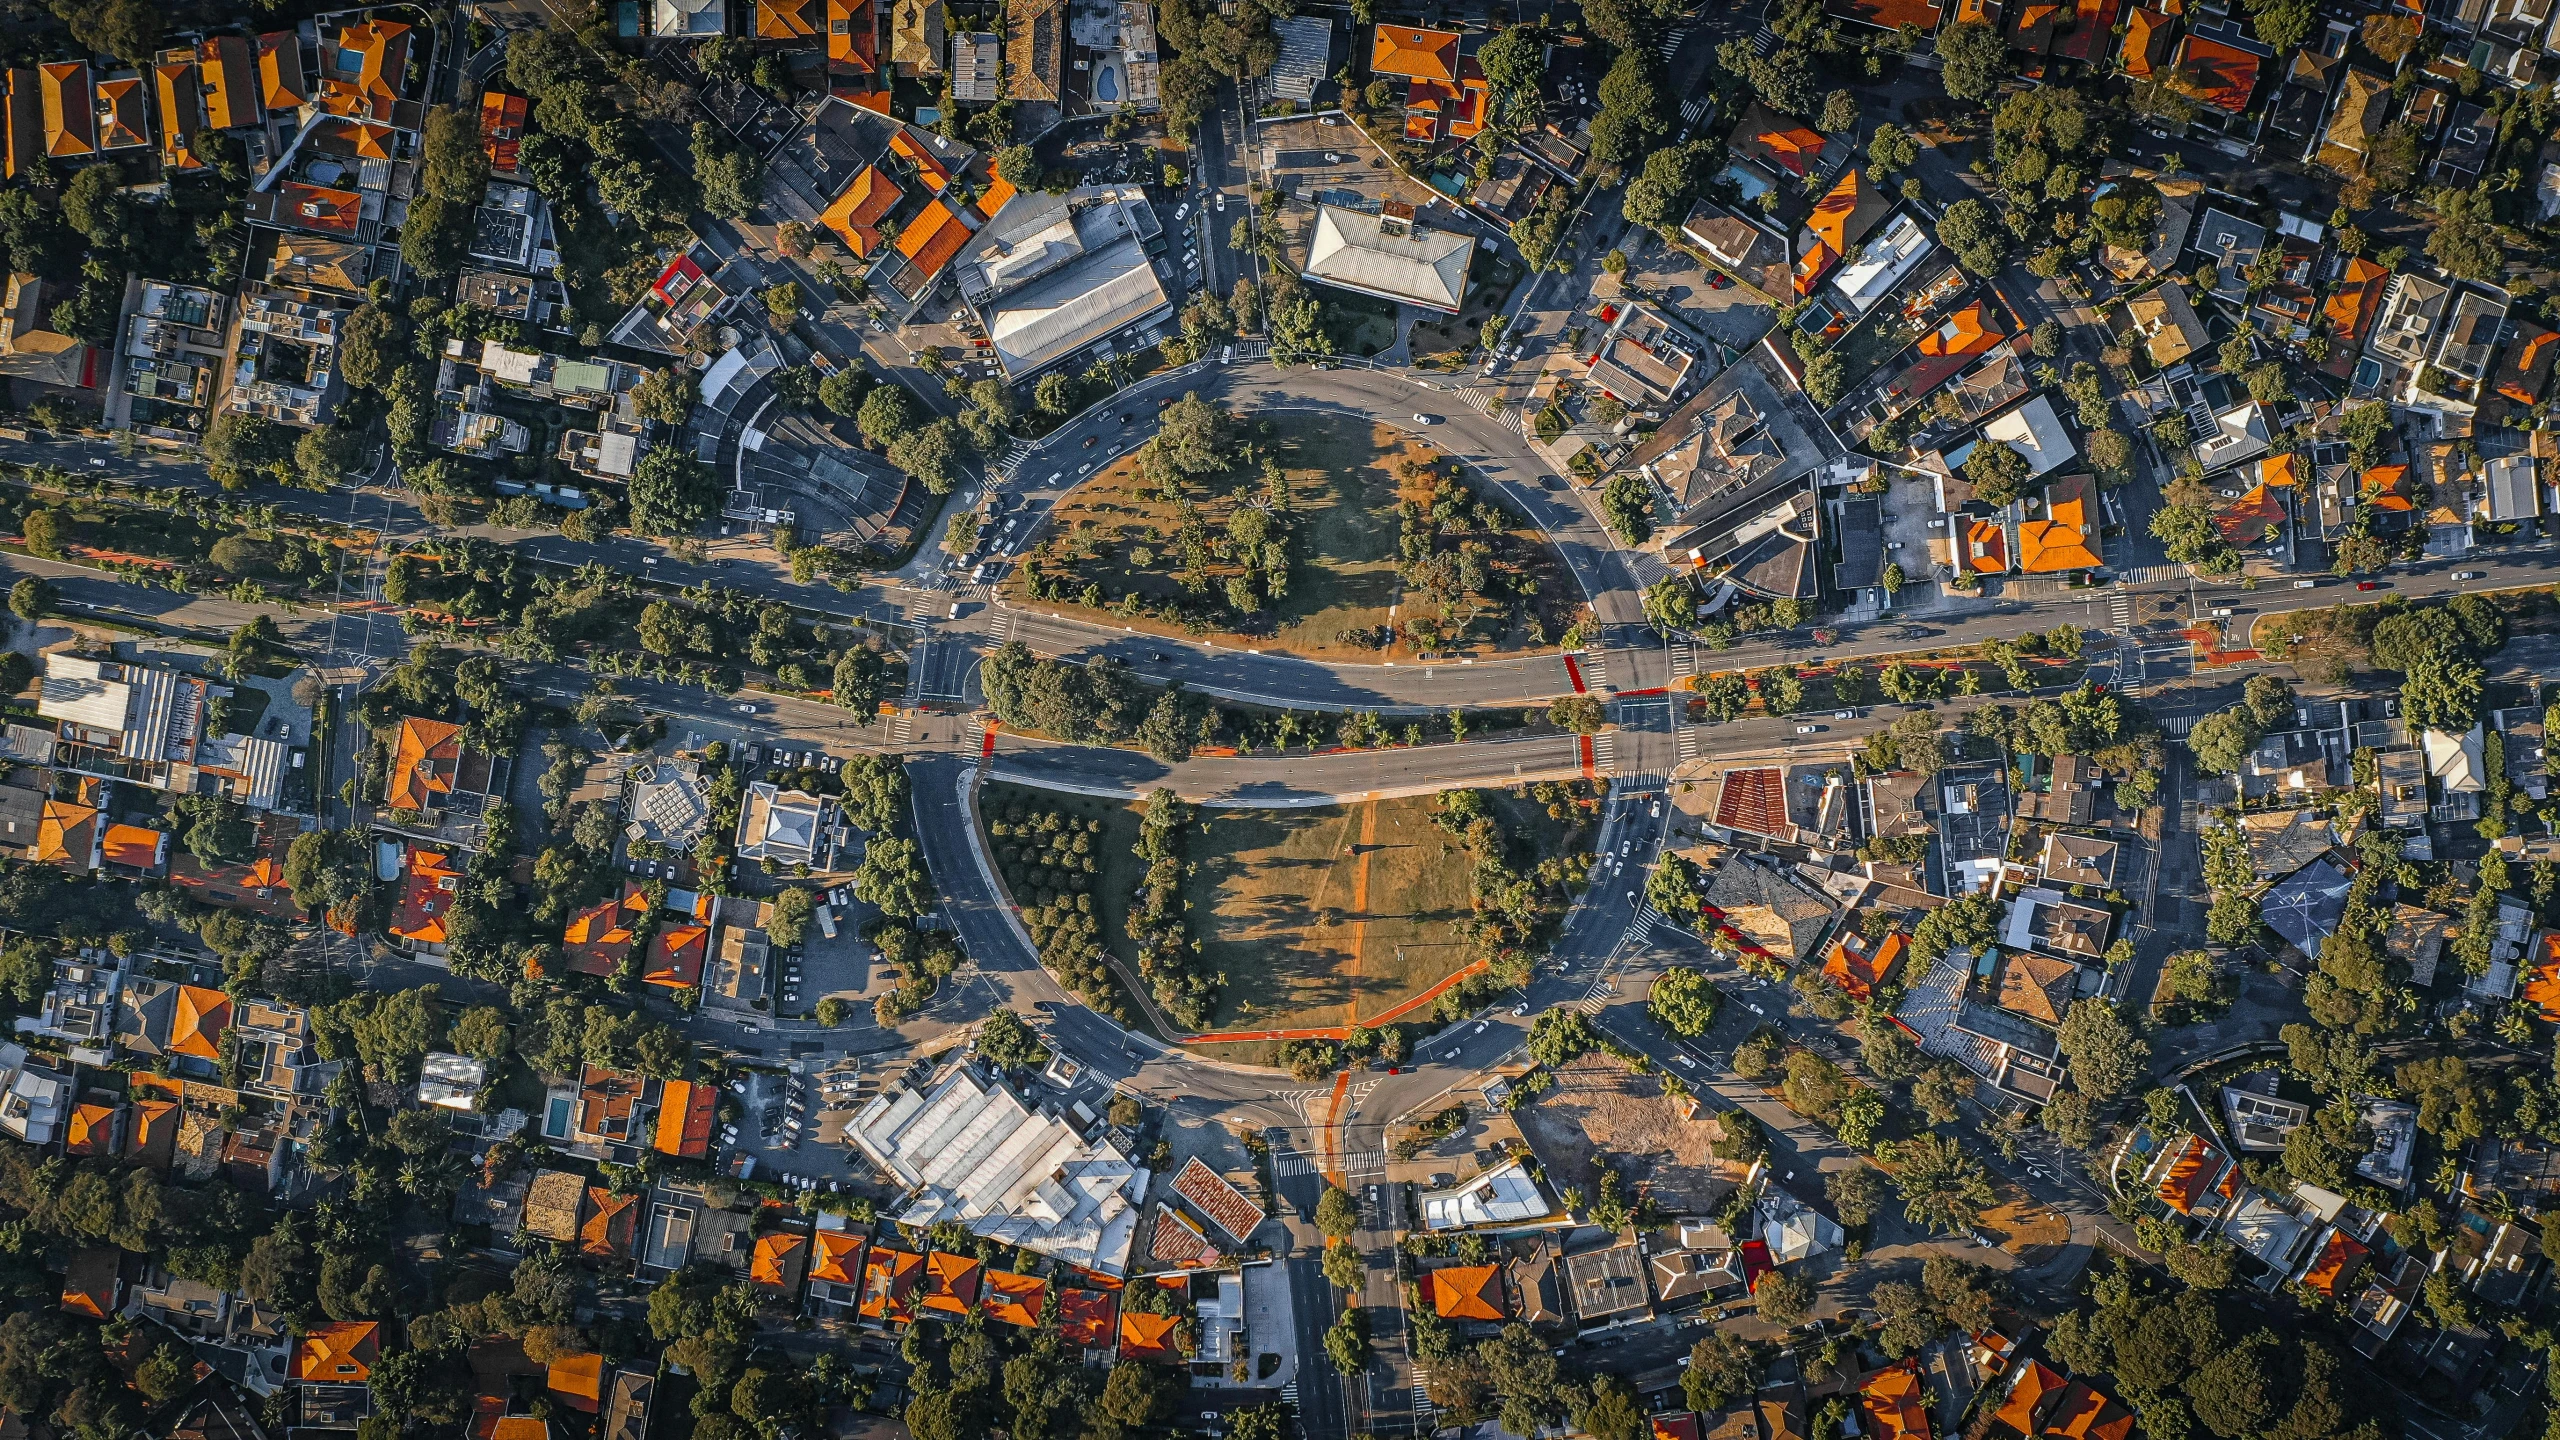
(1807, 729)
(1421, 419)
(2368, 584)
(2468, 575)
(1092, 440)
(1182, 210)
(1128, 419)
(1718, 280)
(1520, 1009)
(1222, 209)
(101, 464)
(1844, 714)
(745, 708)
(1328, 120)
(2305, 584)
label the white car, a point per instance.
(1182, 211)
(1807, 729)
(745, 709)
(1222, 209)
(1425, 420)
(2468, 575)
(1844, 714)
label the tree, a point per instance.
(1347, 1343)
(1785, 1298)
(842, 392)
(667, 395)
(1825, 376)
(1839, 113)
(1974, 60)
(1891, 148)
(1612, 1412)
(1337, 1214)
(1138, 1394)
(45, 532)
(1004, 1039)
(1019, 167)
(893, 877)
(928, 453)
(2465, 237)
(1581, 714)
(671, 493)
(433, 237)
(732, 181)
(1856, 1193)
(1671, 604)
(887, 412)
(782, 304)
(1723, 1367)
(324, 455)
(94, 204)
(1534, 1392)
(2222, 741)
(2106, 1056)
(1998, 472)
(1627, 504)
(1684, 1001)
(1970, 228)
(1942, 1187)
(2443, 692)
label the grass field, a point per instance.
(1343, 493)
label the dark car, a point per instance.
(1092, 440)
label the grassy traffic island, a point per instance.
(1301, 934)
(1324, 536)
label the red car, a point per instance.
(2368, 584)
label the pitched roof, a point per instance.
(2086, 1414)
(380, 49)
(855, 216)
(1468, 1292)
(839, 1258)
(2385, 487)
(2078, 859)
(932, 238)
(1416, 53)
(70, 109)
(1895, 1403)
(786, 20)
(611, 1220)
(280, 86)
(676, 954)
(132, 846)
(1085, 1317)
(2030, 1395)
(227, 77)
(1754, 801)
(92, 1281)
(853, 36)
(502, 118)
(889, 1279)
(1222, 1203)
(552, 1204)
(778, 1258)
(121, 106)
(685, 1112)
(339, 1353)
(1145, 1336)
(2219, 75)
(2339, 1258)
(2525, 370)
(1013, 1299)
(577, 1379)
(181, 113)
(2065, 537)
(951, 1283)
(2038, 986)
(2191, 1176)
(2146, 41)
(424, 761)
(92, 1130)
(1855, 969)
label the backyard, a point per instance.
(1119, 545)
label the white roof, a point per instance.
(1503, 1195)
(2512, 491)
(76, 689)
(1883, 263)
(2033, 430)
(451, 1081)
(617, 454)
(1082, 304)
(2455, 760)
(691, 17)
(1424, 267)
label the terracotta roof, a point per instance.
(2146, 41)
(424, 762)
(1794, 147)
(951, 1283)
(340, 1353)
(1894, 1402)
(502, 118)
(70, 109)
(132, 846)
(994, 198)
(2066, 536)
(2526, 370)
(155, 1126)
(515, 1427)
(576, 1379)
(1468, 1292)
(777, 1258)
(2085, 1414)
(610, 1223)
(381, 49)
(2191, 1176)
(676, 953)
(889, 1279)
(932, 238)
(426, 894)
(1085, 1317)
(65, 833)
(2349, 308)
(2219, 75)
(1986, 547)
(197, 1021)
(1222, 1203)
(280, 85)
(786, 20)
(930, 170)
(1177, 1239)
(1753, 801)
(121, 105)
(92, 1130)
(1147, 1337)
(2336, 1263)
(1420, 54)
(1923, 15)
(181, 113)
(855, 216)
(839, 1258)
(1855, 970)
(2037, 986)
(2030, 1395)
(853, 36)
(90, 1284)
(227, 76)
(2243, 520)
(1013, 1299)
(598, 937)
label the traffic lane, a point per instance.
(1285, 781)
(1285, 681)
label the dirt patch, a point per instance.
(1115, 545)
(2026, 1229)
(1600, 1107)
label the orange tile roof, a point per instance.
(853, 36)
(65, 832)
(1855, 970)
(2542, 982)
(889, 1280)
(1085, 1317)
(1813, 264)
(994, 198)
(152, 1119)
(1962, 333)
(598, 937)
(1013, 1299)
(1830, 218)
(675, 955)
(2065, 538)
(2521, 361)
(931, 170)
(1422, 122)
(426, 892)
(423, 763)
(785, 20)
(2277, 470)
(92, 1131)
(611, 1220)
(2085, 1414)
(179, 113)
(2242, 521)
(1460, 1292)
(502, 118)
(2385, 487)
(2336, 1263)
(1986, 547)
(1895, 1403)
(773, 1257)
(122, 103)
(932, 238)
(1144, 1336)
(2034, 1388)
(340, 1353)
(2220, 75)
(197, 1022)
(91, 1282)
(280, 71)
(1414, 53)
(1754, 801)
(2191, 1176)
(855, 215)
(132, 845)
(839, 1258)
(2145, 33)
(1678, 1425)
(950, 1283)
(2029, 982)
(2351, 304)
(517, 1427)
(70, 109)
(1795, 148)
(577, 1379)
(381, 48)
(226, 74)
(685, 1115)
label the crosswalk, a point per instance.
(1684, 662)
(1686, 735)
(1353, 1167)
(2178, 724)
(902, 729)
(2149, 574)
(1002, 628)
(1764, 42)
(1604, 753)
(1595, 670)
(1642, 930)
(1595, 999)
(1695, 110)
(2120, 610)
(1422, 1393)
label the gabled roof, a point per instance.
(853, 36)
(2525, 370)
(2191, 1175)
(1416, 53)
(2033, 1392)
(280, 85)
(786, 19)
(2146, 41)
(181, 113)
(371, 70)
(1894, 1402)
(2065, 537)
(932, 238)
(951, 1283)
(132, 846)
(1779, 141)
(2341, 1255)
(856, 214)
(339, 1353)
(424, 761)
(2219, 75)
(839, 1258)
(1468, 1292)
(676, 954)
(227, 77)
(2085, 1414)
(70, 109)
(2350, 307)
(1013, 1299)
(889, 1279)
(1085, 1317)
(686, 1110)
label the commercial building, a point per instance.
(285, 367)
(1389, 255)
(789, 827)
(1053, 277)
(145, 726)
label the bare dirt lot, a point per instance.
(1600, 1107)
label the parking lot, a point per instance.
(793, 1125)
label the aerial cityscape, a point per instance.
(1111, 719)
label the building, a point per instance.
(144, 725)
(2305, 906)
(1837, 226)
(1504, 1195)
(2040, 918)
(2167, 323)
(1643, 359)
(1464, 1293)
(2403, 335)
(285, 366)
(963, 1146)
(1771, 906)
(689, 19)
(1035, 43)
(1607, 1283)
(2078, 860)
(1856, 968)
(577, 384)
(2510, 491)
(977, 68)
(172, 351)
(512, 228)
(1055, 277)
(1389, 255)
(789, 827)
(31, 349)
(1220, 1202)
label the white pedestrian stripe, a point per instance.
(1604, 753)
(1688, 737)
(2178, 724)
(2148, 574)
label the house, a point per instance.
(780, 1261)
(2350, 311)
(1856, 968)
(889, 1281)
(599, 938)
(2305, 906)
(2040, 987)
(1893, 1403)
(552, 1206)
(2215, 74)
(31, 349)
(425, 759)
(451, 1082)
(165, 1019)
(2394, 1126)
(2259, 1118)
(1013, 1299)
(2233, 244)
(2283, 841)
(1504, 1195)
(1770, 905)
(1531, 1273)
(2167, 323)
(2468, 143)
(1467, 1293)
(687, 1110)
(1035, 50)
(2188, 1175)
(2400, 773)
(2402, 335)
(2040, 918)
(2078, 860)
(1215, 1198)
(2149, 35)
(2456, 762)
(1606, 1283)
(2064, 538)
(1839, 223)
(2035, 431)
(2451, 382)
(338, 1353)
(2510, 491)
(1776, 144)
